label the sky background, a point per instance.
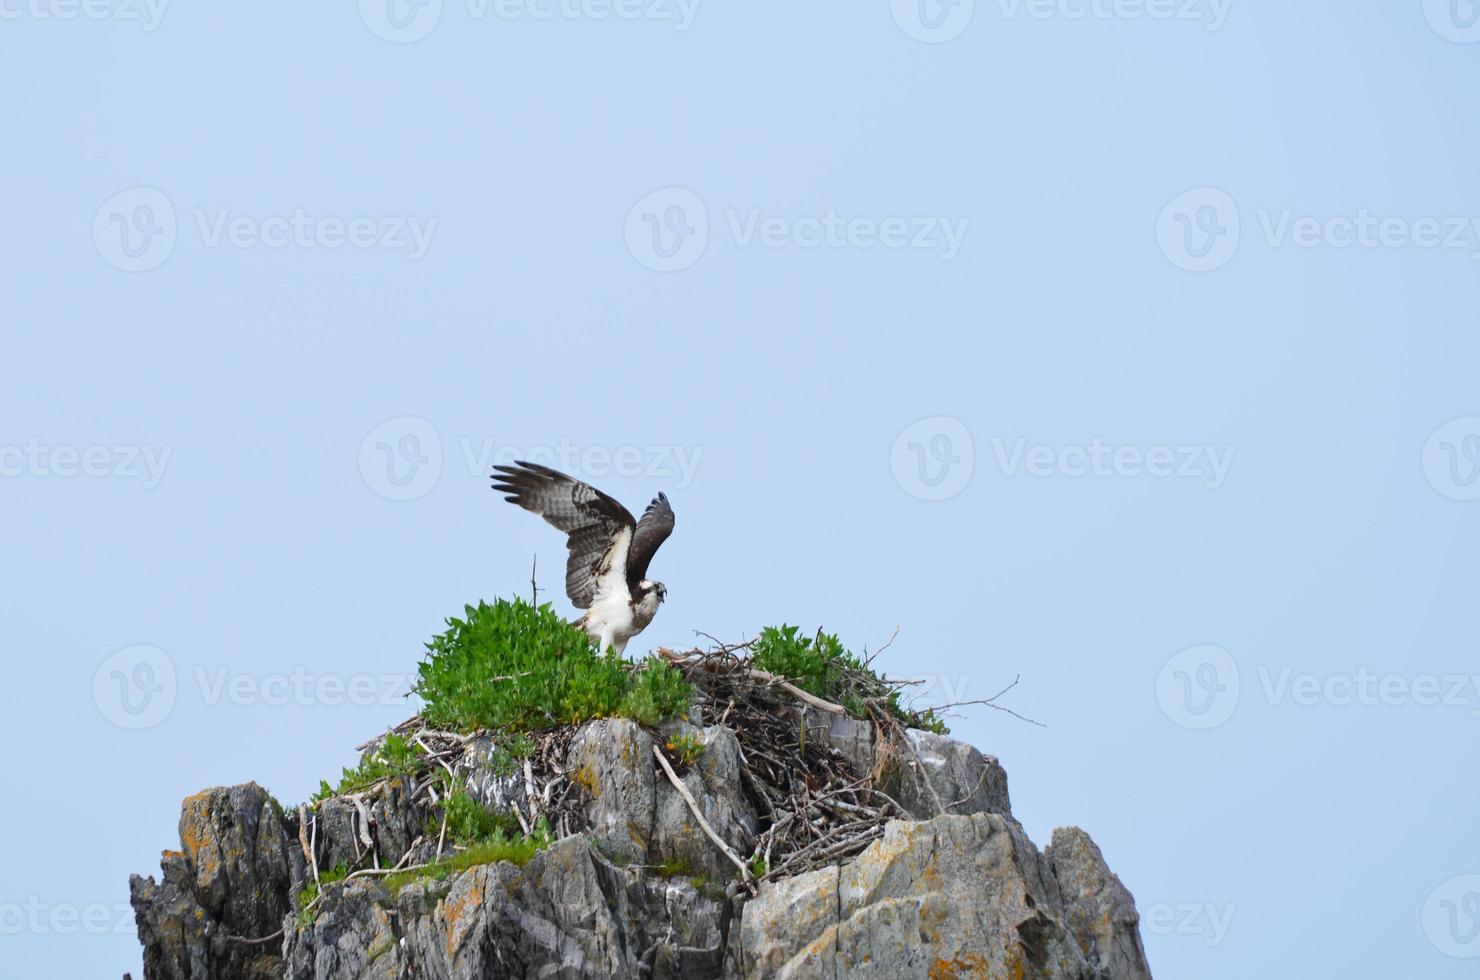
(1130, 355)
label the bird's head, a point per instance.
(658, 589)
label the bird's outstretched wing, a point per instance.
(600, 528)
(652, 531)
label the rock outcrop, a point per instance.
(233, 877)
(953, 896)
(644, 892)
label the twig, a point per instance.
(990, 703)
(363, 812)
(409, 851)
(406, 725)
(313, 847)
(869, 658)
(436, 755)
(530, 793)
(303, 840)
(256, 942)
(796, 692)
(699, 815)
(722, 648)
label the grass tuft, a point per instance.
(497, 847)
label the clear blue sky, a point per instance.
(1132, 354)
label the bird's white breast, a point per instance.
(612, 610)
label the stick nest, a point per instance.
(815, 808)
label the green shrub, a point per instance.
(820, 665)
(656, 693)
(467, 819)
(393, 756)
(518, 667)
(816, 664)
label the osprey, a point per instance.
(606, 573)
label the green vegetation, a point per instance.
(470, 822)
(394, 756)
(671, 868)
(516, 667)
(820, 665)
(467, 819)
(817, 664)
(708, 887)
(685, 748)
(514, 670)
(510, 752)
(678, 868)
(499, 846)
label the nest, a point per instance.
(815, 808)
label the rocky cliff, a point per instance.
(645, 874)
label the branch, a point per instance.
(869, 657)
(303, 841)
(990, 703)
(699, 815)
(798, 693)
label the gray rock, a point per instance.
(230, 881)
(1099, 910)
(612, 760)
(568, 913)
(482, 772)
(944, 769)
(964, 894)
(962, 778)
(848, 737)
(953, 896)
(352, 934)
(343, 830)
(715, 783)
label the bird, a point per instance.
(606, 573)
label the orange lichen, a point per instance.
(965, 965)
